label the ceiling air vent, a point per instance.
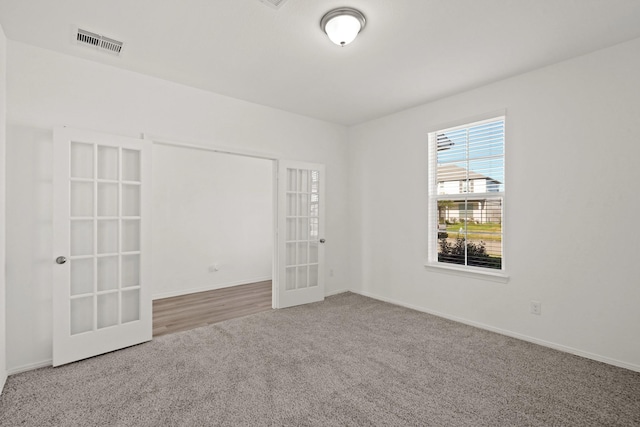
(274, 3)
(99, 42)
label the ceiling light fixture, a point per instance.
(342, 25)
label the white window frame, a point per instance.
(432, 253)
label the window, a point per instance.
(466, 196)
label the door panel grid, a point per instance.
(302, 228)
(104, 236)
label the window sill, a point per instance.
(476, 273)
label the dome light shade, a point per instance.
(342, 25)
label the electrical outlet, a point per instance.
(331, 272)
(536, 308)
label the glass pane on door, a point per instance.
(107, 163)
(107, 237)
(290, 279)
(81, 160)
(130, 165)
(81, 237)
(107, 199)
(107, 310)
(130, 306)
(81, 315)
(107, 273)
(301, 279)
(130, 271)
(81, 276)
(313, 275)
(130, 235)
(131, 200)
(81, 199)
(313, 252)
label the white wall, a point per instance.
(46, 89)
(3, 79)
(572, 136)
(210, 208)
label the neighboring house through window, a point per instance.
(466, 195)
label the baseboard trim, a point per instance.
(30, 367)
(181, 292)
(544, 343)
(3, 380)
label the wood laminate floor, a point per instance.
(204, 308)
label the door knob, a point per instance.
(61, 260)
(322, 240)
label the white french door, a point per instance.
(300, 233)
(101, 220)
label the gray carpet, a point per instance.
(350, 360)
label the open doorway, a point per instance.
(212, 236)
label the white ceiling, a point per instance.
(411, 51)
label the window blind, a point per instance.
(468, 193)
